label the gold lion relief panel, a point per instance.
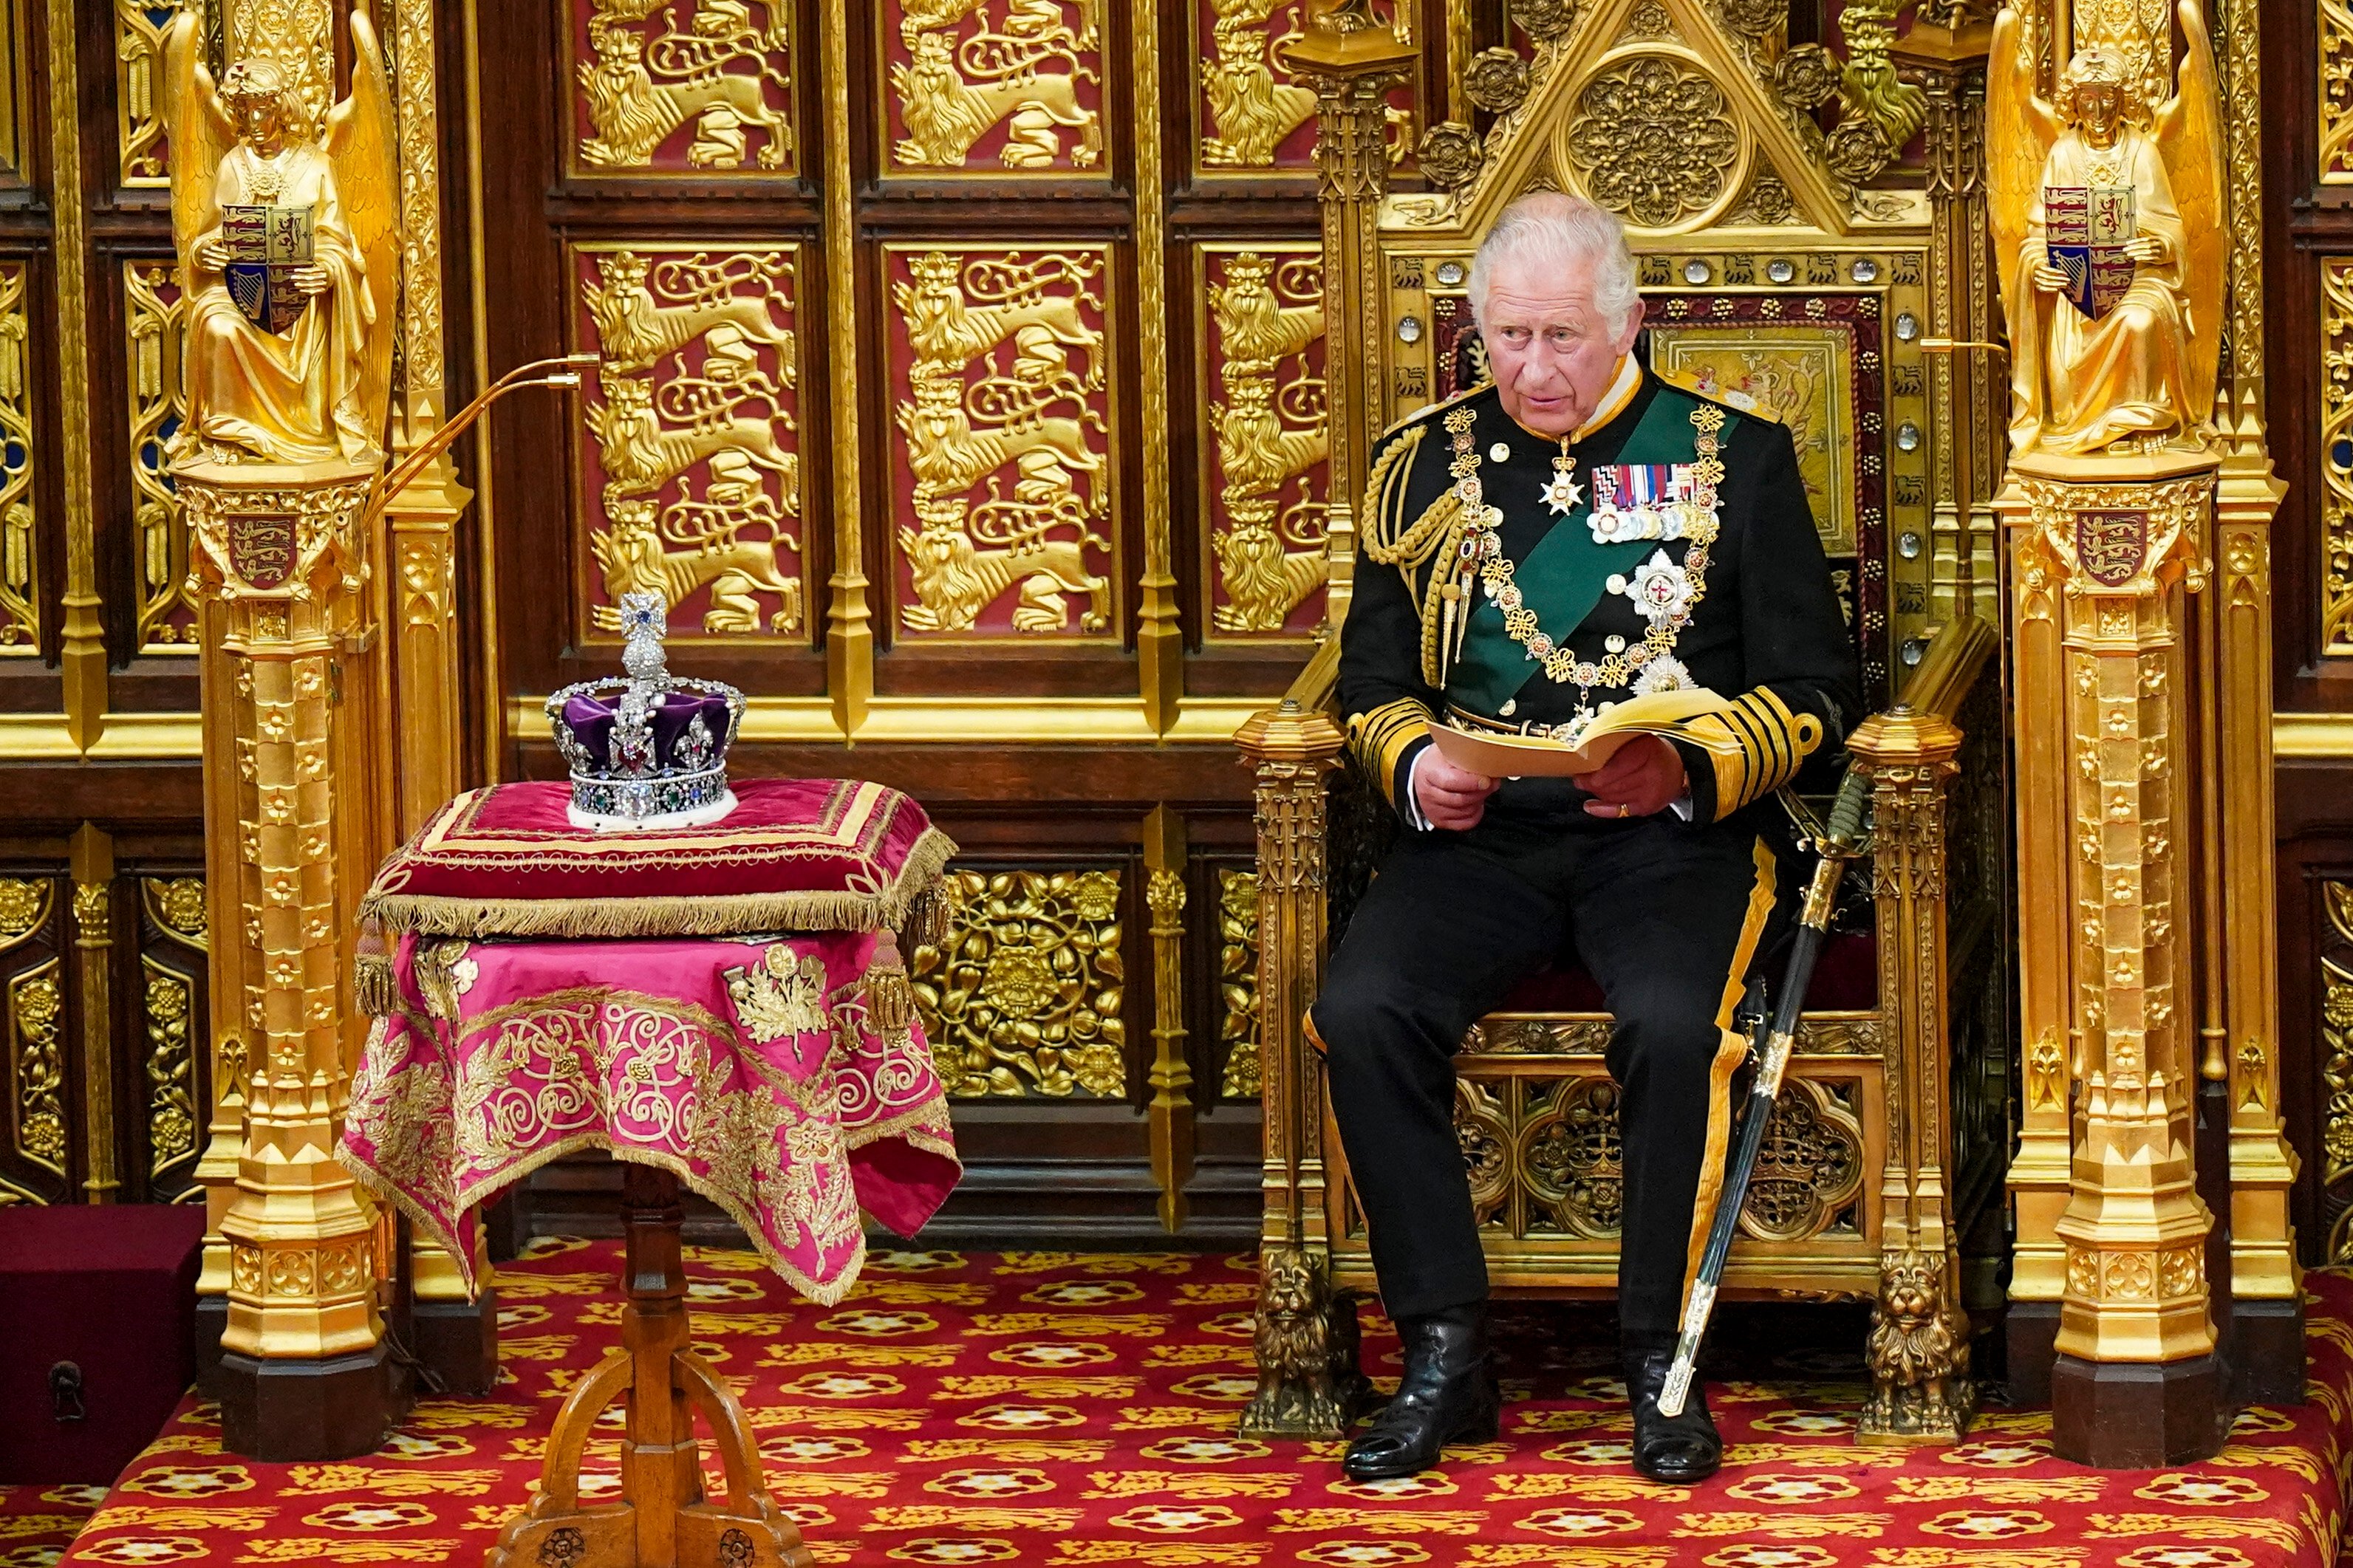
(692, 88)
(1261, 320)
(1002, 504)
(992, 86)
(689, 462)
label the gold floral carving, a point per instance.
(20, 616)
(1006, 371)
(2336, 92)
(154, 309)
(1025, 78)
(699, 371)
(36, 1033)
(12, 103)
(1268, 537)
(24, 909)
(1545, 1158)
(2336, 454)
(1024, 994)
(1655, 141)
(171, 1066)
(418, 124)
(177, 904)
(1237, 983)
(138, 73)
(658, 67)
(1251, 106)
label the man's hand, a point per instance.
(1644, 776)
(1449, 797)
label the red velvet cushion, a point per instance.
(1846, 979)
(113, 1290)
(795, 854)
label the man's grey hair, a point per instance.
(1559, 234)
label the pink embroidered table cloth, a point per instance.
(751, 1066)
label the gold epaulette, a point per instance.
(1690, 384)
(1427, 409)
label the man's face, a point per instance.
(1552, 351)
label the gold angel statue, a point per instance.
(2107, 220)
(289, 254)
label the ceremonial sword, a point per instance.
(1839, 842)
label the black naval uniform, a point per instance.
(1666, 913)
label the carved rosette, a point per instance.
(977, 90)
(32, 1053)
(1237, 983)
(1655, 140)
(1023, 995)
(1263, 319)
(690, 463)
(683, 87)
(1002, 494)
(152, 318)
(173, 1025)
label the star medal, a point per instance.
(1659, 589)
(1564, 492)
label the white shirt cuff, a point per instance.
(1413, 816)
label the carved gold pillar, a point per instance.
(1919, 1351)
(1352, 60)
(303, 1372)
(1171, 1111)
(1159, 639)
(1308, 1380)
(92, 853)
(81, 655)
(2134, 1381)
(849, 618)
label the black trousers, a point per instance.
(1667, 916)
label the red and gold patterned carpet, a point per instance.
(1059, 1409)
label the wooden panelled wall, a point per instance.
(2307, 81)
(965, 352)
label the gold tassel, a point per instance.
(927, 920)
(890, 997)
(375, 989)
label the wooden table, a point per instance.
(663, 1520)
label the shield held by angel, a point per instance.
(290, 256)
(2108, 226)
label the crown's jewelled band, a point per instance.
(637, 798)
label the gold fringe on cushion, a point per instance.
(890, 997)
(724, 914)
(376, 990)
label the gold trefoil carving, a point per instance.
(137, 69)
(1655, 141)
(153, 313)
(712, 334)
(2336, 440)
(1024, 994)
(1029, 72)
(1028, 323)
(1271, 431)
(661, 64)
(1252, 106)
(294, 35)
(20, 620)
(2336, 92)
(36, 1016)
(171, 1066)
(1237, 983)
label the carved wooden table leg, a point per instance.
(662, 1520)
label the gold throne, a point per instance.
(1808, 273)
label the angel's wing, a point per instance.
(200, 132)
(362, 143)
(2188, 135)
(2019, 129)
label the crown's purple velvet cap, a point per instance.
(590, 720)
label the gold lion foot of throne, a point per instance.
(1918, 1353)
(1310, 1383)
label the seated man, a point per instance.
(1527, 561)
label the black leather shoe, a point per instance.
(1448, 1394)
(1679, 1449)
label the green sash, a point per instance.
(1568, 572)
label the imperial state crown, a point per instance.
(648, 748)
